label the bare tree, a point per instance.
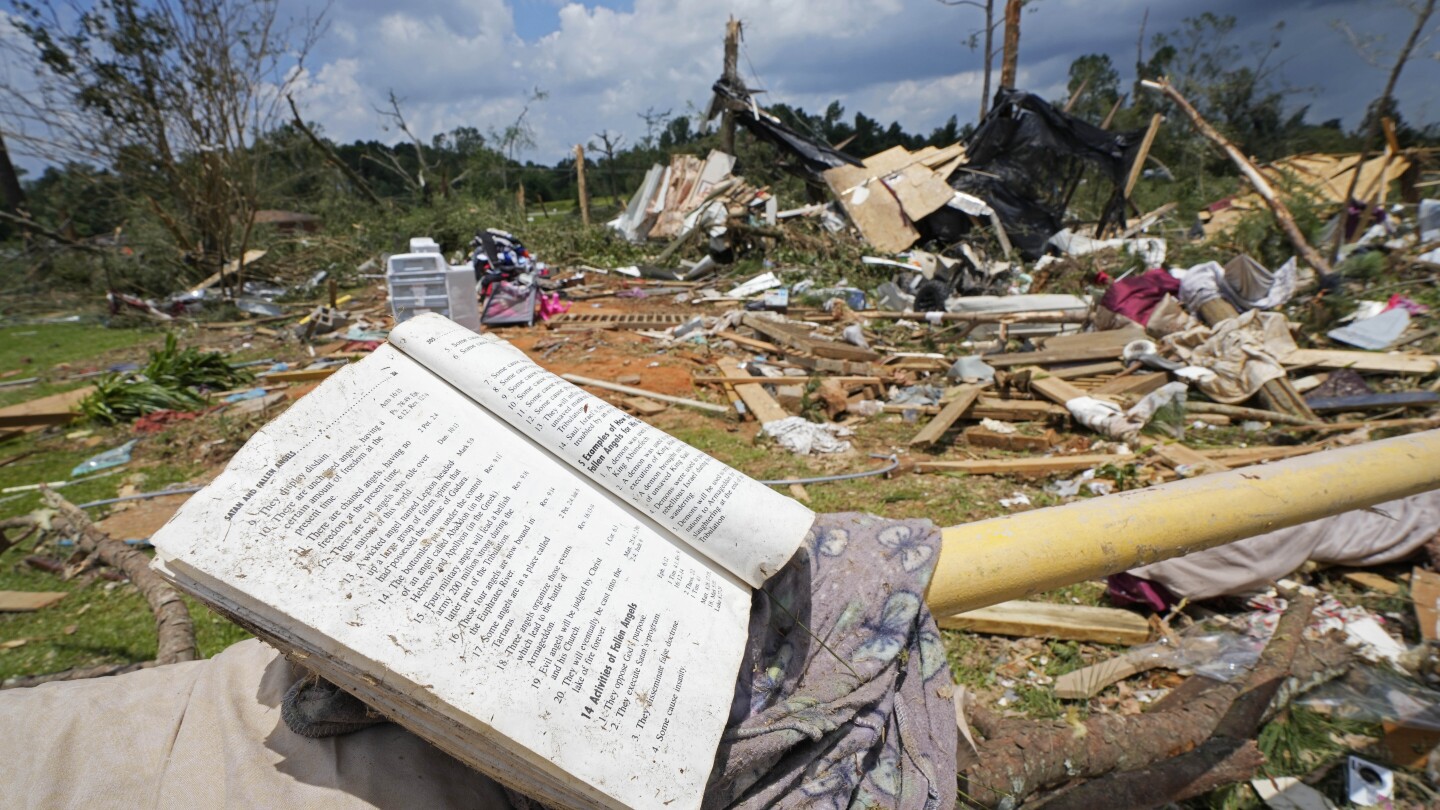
(609, 142)
(518, 136)
(988, 34)
(396, 118)
(654, 122)
(175, 96)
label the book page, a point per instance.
(743, 525)
(390, 522)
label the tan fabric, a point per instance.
(1390, 532)
(1169, 317)
(209, 734)
(1243, 352)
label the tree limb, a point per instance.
(1252, 174)
(175, 632)
(334, 159)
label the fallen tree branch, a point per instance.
(77, 674)
(175, 632)
(1252, 174)
(332, 158)
(1023, 756)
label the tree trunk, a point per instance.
(989, 55)
(580, 181)
(731, 77)
(1012, 43)
(174, 631)
(1020, 757)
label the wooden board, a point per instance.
(1371, 581)
(750, 343)
(56, 409)
(1244, 456)
(1044, 620)
(302, 375)
(1024, 466)
(981, 436)
(1017, 410)
(26, 601)
(1178, 455)
(1134, 384)
(798, 338)
(640, 406)
(1088, 370)
(1071, 349)
(757, 400)
(1360, 361)
(1425, 590)
(948, 416)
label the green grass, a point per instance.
(36, 350)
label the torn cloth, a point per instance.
(1244, 352)
(1243, 282)
(802, 437)
(1136, 297)
(1389, 532)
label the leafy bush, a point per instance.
(169, 381)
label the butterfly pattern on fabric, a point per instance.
(844, 697)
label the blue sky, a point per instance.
(474, 62)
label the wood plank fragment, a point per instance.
(948, 416)
(1044, 620)
(1371, 581)
(1178, 455)
(27, 601)
(1024, 466)
(981, 436)
(1425, 590)
(757, 400)
(1362, 361)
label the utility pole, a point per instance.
(731, 77)
(1012, 43)
(580, 176)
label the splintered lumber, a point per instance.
(641, 392)
(642, 406)
(1086, 683)
(1044, 620)
(1425, 590)
(300, 375)
(948, 416)
(1134, 384)
(1053, 388)
(797, 337)
(1016, 410)
(1242, 412)
(1363, 361)
(1243, 456)
(1024, 466)
(1374, 582)
(981, 436)
(1041, 316)
(1025, 553)
(1087, 370)
(757, 400)
(1178, 455)
(27, 601)
(749, 343)
(1071, 349)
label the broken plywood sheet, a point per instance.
(889, 193)
(56, 409)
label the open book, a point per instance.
(536, 582)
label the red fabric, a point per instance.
(160, 420)
(1137, 296)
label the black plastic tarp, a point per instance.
(815, 156)
(1025, 157)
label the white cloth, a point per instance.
(209, 734)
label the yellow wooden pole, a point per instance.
(1020, 555)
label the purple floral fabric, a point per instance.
(844, 695)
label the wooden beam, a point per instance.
(1363, 361)
(1024, 466)
(1139, 165)
(948, 416)
(1178, 455)
(1134, 384)
(757, 400)
(1044, 620)
(641, 392)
